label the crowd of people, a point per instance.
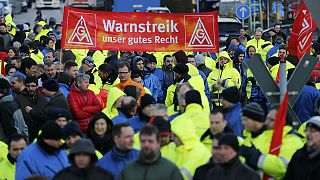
(99, 114)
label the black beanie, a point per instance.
(51, 85)
(151, 58)
(64, 78)
(51, 130)
(193, 96)
(56, 113)
(273, 60)
(146, 100)
(231, 94)
(4, 84)
(72, 128)
(254, 111)
(230, 140)
(181, 68)
(163, 126)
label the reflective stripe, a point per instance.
(261, 161)
(186, 172)
(284, 161)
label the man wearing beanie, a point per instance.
(88, 68)
(83, 158)
(256, 145)
(43, 157)
(60, 116)
(57, 100)
(140, 120)
(72, 134)
(200, 62)
(181, 73)
(230, 162)
(11, 117)
(152, 67)
(232, 109)
(194, 113)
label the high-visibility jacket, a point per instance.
(8, 170)
(3, 151)
(229, 74)
(274, 166)
(38, 57)
(191, 153)
(113, 95)
(255, 43)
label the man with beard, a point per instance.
(30, 97)
(169, 74)
(150, 164)
(144, 114)
(17, 84)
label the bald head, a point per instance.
(129, 106)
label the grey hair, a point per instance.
(80, 77)
(158, 106)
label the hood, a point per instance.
(193, 71)
(134, 63)
(6, 98)
(237, 53)
(113, 95)
(185, 130)
(75, 89)
(226, 55)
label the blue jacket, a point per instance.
(121, 118)
(33, 160)
(233, 117)
(44, 52)
(161, 77)
(206, 90)
(169, 79)
(306, 104)
(65, 89)
(115, 161)
(136, 123)
(272, 51)
(151, 82)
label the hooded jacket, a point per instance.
(3, 151)
(115, 161)
(191, 153)
(8, 168)
(227, 73)
(113, 95)
(11, 119)
(273, 165)
(83, 105)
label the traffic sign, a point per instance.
(243, 12)
(271, 90)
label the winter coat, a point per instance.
(115, 161)
(121, 118)
(233, 116)
(306, 103)
(122, 85)
(255, 43)
(191, 153)
(7, 39)
(37, 56)
(108, 84)
(65, 89)
(202, 171)
(197, 116)
(113, 95)
(228, 74)
(169, 79)
(159, 170)
(274, 165)
(233, 170)
(8, 169)
(302, 166)
(41, 163)
(11, 119)
(89, 173)
(83, 105)
(56, 101)
(137, 123)
(36, 101)
(151, 82)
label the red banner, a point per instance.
(302, 29)
(139, 31)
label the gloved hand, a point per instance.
(251, 154)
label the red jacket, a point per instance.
(83, 105)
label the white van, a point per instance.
(47, 4)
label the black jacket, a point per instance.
(23, 99)
(233, 170)
(90, 173)
(204, 69)
(57, 101)
(202, 171)
(303, 167)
